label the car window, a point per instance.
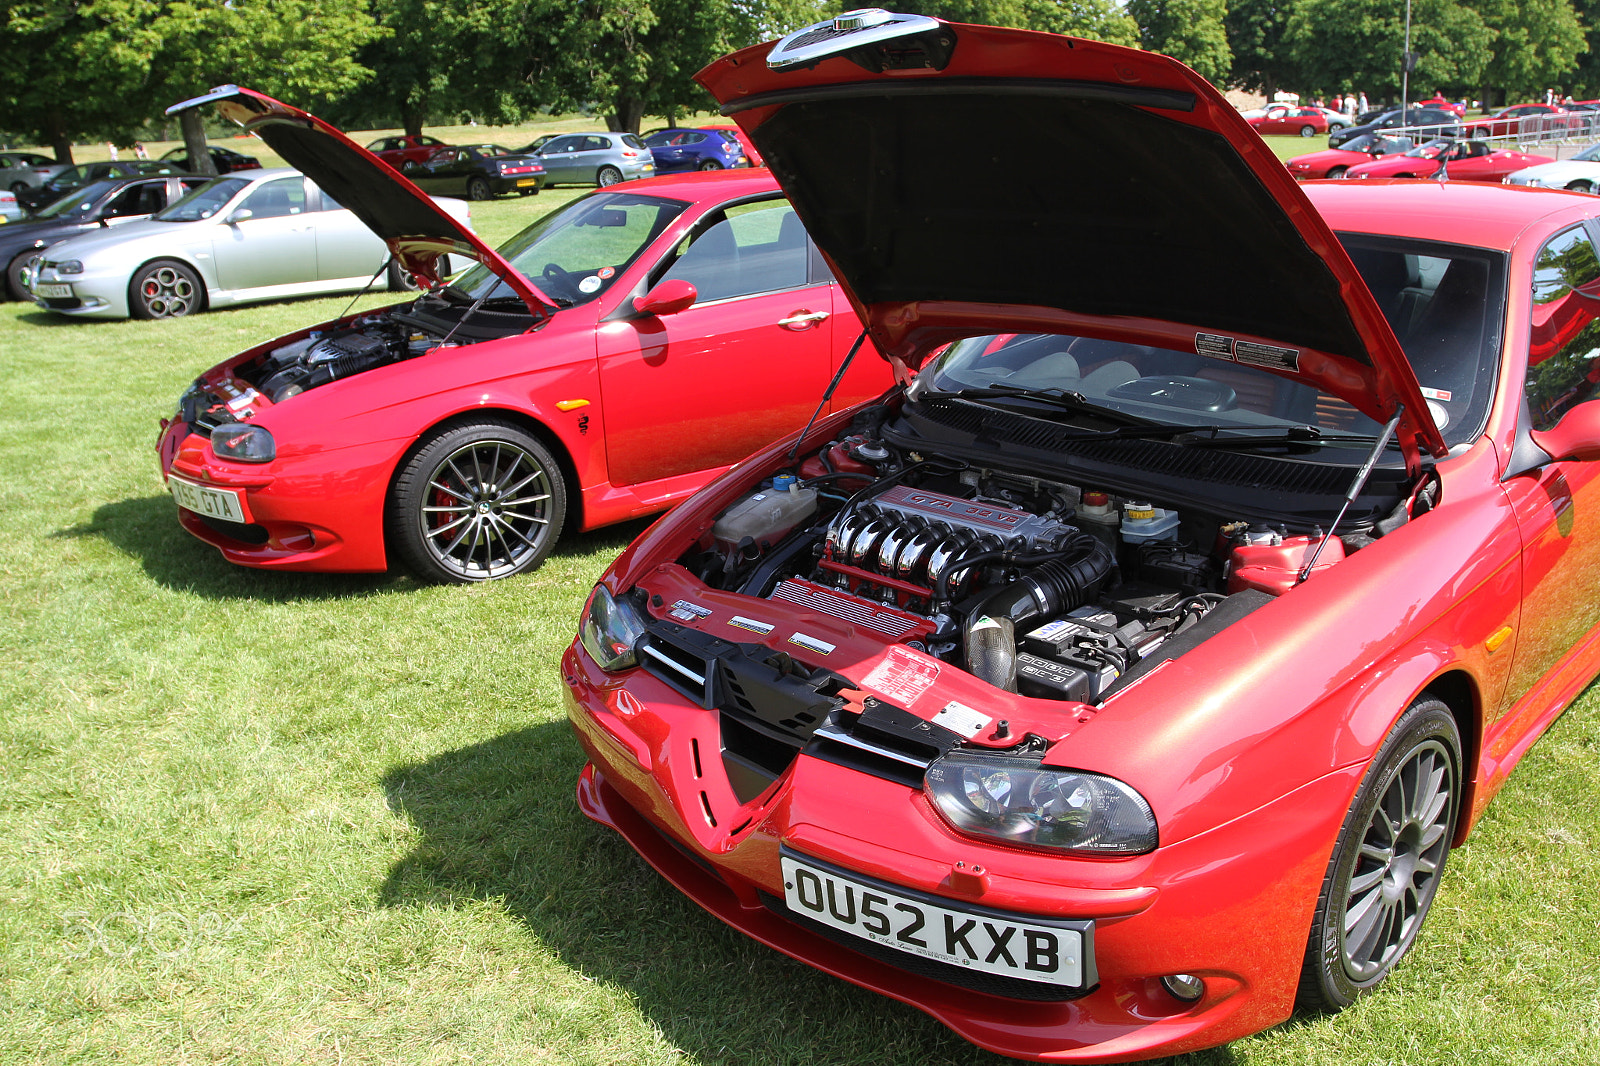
(144, 198)
(757, 248)
(203, 201)
(1564, 343)
(595, 144)
(562, 144)
(578, 252)
(631, 141)
(277, 199)
(74, 205)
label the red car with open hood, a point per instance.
(1125, 679)
(461, 432)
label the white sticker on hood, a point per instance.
(902, 676)
(959, 718)
(821, 647)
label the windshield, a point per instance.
(1429, 150)
(576, 253)
(1590, 154)
(74, 204)
(202, 202)
(1444, 302)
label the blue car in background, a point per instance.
(685, 149)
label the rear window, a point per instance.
(631, 141)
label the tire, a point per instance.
(1308, 131)
(607, 176)
(1387, 860)
(1337, 172)
(1580, 186)
(19, 186)
(478, 189)
(710, 164)
(1479, 134)
(14, 273)
(401, 279)
(165, 289)
(476, 502)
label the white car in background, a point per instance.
(259, 235)
(1581, 173)
(9, 208)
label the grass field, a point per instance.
(274, 818)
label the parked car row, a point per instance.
(1089, 623)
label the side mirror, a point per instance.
(1576, 436)
(668, 298)
(240, 215)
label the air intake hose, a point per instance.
(1052, 588)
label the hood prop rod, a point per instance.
(1355, 489)
(827, 394)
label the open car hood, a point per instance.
(1100, 191)
(416, 230)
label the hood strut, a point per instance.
(827, 394)
(1355, 490)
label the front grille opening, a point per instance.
(753, 760)
(679, 667)
(246, 534)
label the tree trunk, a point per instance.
(60, 141)
(411, 118)
(628, 115)
(194, 142)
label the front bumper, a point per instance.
(1181, 909)
(321, 512)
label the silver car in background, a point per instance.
(27, 170)
(594, 159)
(260, 235)
(1580, 173)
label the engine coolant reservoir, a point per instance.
(765, 516)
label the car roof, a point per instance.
(705, 184)
(1479, 214)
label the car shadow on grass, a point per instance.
(146, 529)
(498, 822)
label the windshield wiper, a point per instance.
(1292, 435)
(1131, 426)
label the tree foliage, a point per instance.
(1190, 31)
(1358, 44)
(1262, 61)
(1537, 44)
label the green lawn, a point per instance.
(274, 818)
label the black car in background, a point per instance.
(477, 171)
(77, 177)
(226, 159)
(1430, 121)
(107, 202)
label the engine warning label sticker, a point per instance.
(1217, 347)
(810, 643)
(751, 624)
(902, 676)
(1267, 355)
(959, 718)
(684, 611)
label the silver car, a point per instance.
(594, 159)
(26, 170)
(262, 235)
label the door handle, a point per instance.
(803, 319)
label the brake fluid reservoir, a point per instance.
(1142, 522)
(765, 516)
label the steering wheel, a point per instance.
(558, 276)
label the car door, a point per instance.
(560, 159)
(1558, 504)
(267, 238)
(345, 247)
(745, 364)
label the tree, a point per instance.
(1585, 77)
(1358, 44)
(1261, 59)
(1190, 31)
(1537, 45)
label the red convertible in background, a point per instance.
(1462, 161)
(1125, 679)
(1333, 162)
(672, 326)
(1525, 118)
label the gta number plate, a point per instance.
(975, 940)
(54, 292)
(218, 503)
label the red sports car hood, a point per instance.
(404, 216)
(1097, 190)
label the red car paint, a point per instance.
(1281, 118)
(1463, 161)
(1333, 162)
(1524, 118)
(639, 410)
(1248, 747)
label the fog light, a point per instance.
(1184, 986)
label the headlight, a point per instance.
(1019, 801)
(70, 266)
(244, 442)
(610, 630)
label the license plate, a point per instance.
(1027, 949)
(54, 292)
(526, 181)
(216, 503)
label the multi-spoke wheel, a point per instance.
(164, 289)
(477, 502)
(14, 273)
(607, 176)
(1388, 859)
